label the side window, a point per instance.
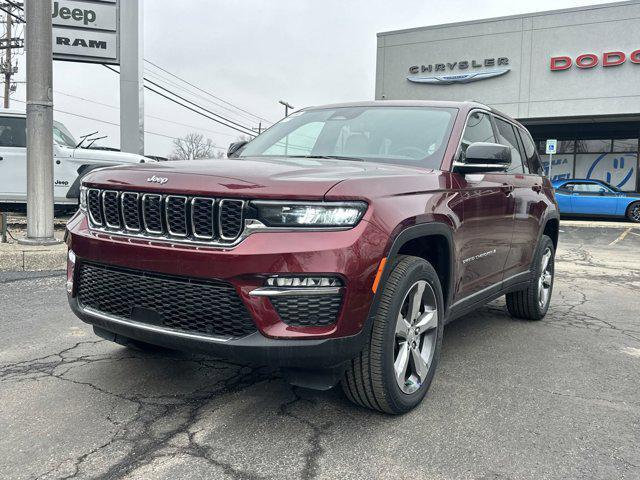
(478, 129)
(530, 151)
(589, 188)
(507, 136)
(13, 132)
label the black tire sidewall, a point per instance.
(629, 208)
(418, 269)
(545, 242)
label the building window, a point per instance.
(593, 146)
(626, 145)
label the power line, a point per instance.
(206, 92)
(196, 127)
(241, 129)
(17, 17)
(195, 95)
(107, 122)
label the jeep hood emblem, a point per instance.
(458, 78)
(160, 180)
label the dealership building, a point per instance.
(571, 75)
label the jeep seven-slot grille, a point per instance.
(176, 217)
(210, 307)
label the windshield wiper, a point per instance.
(328, 157)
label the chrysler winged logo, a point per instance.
(458, 77)
(160, 180)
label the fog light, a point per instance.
(304, 282)
(71, 266)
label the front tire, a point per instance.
(395, 369)
(532, 302)
(633, 212)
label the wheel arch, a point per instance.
(432, 241)
(552, 230)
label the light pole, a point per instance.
(287, 106)
(39, 123)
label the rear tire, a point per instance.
(633, 212)
(394, 370)
(532, 302)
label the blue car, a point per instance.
(595, 198)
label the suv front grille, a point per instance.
(210, 307)
(177, 217)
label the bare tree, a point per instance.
(192, 147)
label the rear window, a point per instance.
(13, 132)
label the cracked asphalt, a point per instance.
(511, 400)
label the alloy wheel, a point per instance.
(415, 337)
(635, 212)
(545, 281)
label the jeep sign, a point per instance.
(86, 31)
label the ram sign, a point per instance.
(86, 31)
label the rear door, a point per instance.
(13, 159)
(488, 209)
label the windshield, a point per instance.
(62, 136)
(400, 135)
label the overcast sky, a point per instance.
(253, 53)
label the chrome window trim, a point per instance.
(91, 218)
(166, 215)
(220, 206)
(153, 328)
(104, 210)
(124, 220)
(213, 219)
(144, 217)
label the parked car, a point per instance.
(595, 198)
(70, 163)
(336, 245)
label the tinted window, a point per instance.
(13, 132)
(625, 145)
(530, 152)
(478, 129)
(585, 187)
(400, 135)
(508, 137)
(593, 146)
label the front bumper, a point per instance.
(353, 255)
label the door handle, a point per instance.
(507, 189)
(537, 188)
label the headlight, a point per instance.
(83, 198)
(294, 214)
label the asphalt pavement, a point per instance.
(553, 399)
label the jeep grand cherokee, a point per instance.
(336, 245)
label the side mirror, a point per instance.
(482, 157)
(235, 148)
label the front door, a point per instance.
(593, 199)
(487, 218)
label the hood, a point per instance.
(108, 156)
(244, 177)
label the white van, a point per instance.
(70, 164)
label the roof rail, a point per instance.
(479, 102)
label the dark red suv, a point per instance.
(335, 245)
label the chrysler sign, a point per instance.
(86, 31)
(463, 71)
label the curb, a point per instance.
(598, 224)
(33, 260)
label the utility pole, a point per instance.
(39, 123)
(8, 69)
(8, 43)
(287, 106)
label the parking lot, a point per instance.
(511, 399)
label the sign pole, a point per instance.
(131, 77)
(39, 123)
(550, 164)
